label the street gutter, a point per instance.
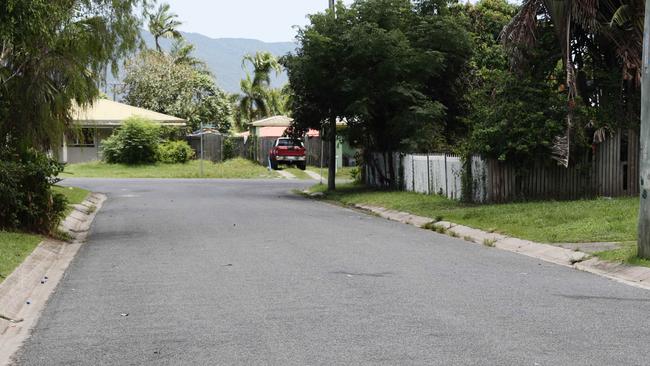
(630, 275)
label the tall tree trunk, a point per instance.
(331, 167)
(644, 213)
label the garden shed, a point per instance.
(96, 122)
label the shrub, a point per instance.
(175, 152)
(228, 149)
(136, 142)
(28, 202)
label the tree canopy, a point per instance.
(53, 54)
(387, 66)
(158, 82)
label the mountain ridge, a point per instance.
(223, 56)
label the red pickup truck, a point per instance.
(288, 151)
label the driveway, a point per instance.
(220, 272)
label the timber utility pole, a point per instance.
(331, 167)
(644, 214)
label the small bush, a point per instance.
(228, 149)
(136, 142)
(27, 200)
(175, 152)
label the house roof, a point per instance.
(275, 121)
(107, 113)
(284, 121)
(275, 132)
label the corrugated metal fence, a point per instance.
(612, 170)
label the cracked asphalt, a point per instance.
(232, 272)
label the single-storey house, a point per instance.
(96, 122)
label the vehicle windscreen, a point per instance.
(289, 143)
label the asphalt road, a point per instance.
(220, 272)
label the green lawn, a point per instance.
(594, 220)
(73, 194)
(14, 248)
(627, 253)
(342, 173)
(235, 168)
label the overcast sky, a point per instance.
(266, 20)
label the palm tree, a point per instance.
(619, 22)
(263, 64)
(181, 54)
(253, 103)
(164, 24)
(255, 100)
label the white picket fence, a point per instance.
(429, 174)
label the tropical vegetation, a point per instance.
(175, 82)
(140, 141)
(53, 55)
(258, 99)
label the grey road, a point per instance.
(246, 273)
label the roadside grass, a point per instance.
(593, 220)
(297, 172)
(231, 169)
(73, 194)
(14, 248)
(627, 253)
(342, 173)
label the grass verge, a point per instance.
(627, 253)
(595, 220)
(235, 168)
(73, 194)
(14, 248)
(342, 173)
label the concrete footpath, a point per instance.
(631, 275)
(25, 292)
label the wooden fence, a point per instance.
(612, 170)
(253, 148)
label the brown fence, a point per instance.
(612, 170)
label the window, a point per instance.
(84, 137)
(289, 143)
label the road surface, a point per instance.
(217, 272)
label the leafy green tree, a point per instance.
(385, 66)
(514, 118)
(53, 54)
(164, 24)
(156, 82)
(317, 83)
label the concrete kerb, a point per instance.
(630, 275)
(25, 292)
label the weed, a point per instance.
(489, 242)
(91, 209)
